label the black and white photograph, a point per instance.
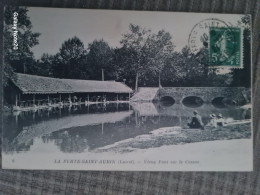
(126, 90)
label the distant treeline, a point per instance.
(144, 58)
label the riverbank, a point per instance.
(178, 136)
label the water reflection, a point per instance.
(80, 128)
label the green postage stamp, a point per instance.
(225, 47)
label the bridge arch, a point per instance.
(218, 102)
(223, 101)
(240, 95)
(192, 101)
(229, 101)
(167, 100)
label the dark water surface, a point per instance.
(87, 127)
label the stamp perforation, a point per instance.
(222, 38)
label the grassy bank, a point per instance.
(171, 136)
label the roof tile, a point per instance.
(39, 84)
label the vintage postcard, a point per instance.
(126, 90)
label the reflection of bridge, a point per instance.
(179, 110)
(207, 94)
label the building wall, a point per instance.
(10, 93)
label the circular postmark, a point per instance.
(199, 35)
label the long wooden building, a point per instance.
(27, 91)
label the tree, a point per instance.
(123, 61)
(183, 69)
(242, 77)
(70, 62)
(145, 51)
(18, 41)
(43, 66)
(100, 57)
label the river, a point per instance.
(89, 127)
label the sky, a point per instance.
(57, 25)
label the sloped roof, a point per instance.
(97, 86)
(39, 84)
(32, 84)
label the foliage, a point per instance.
(241, 77)
(18, 59)
(100, 56)
(183, 69)
(145, 51)
(44, 66)
(145, 58)
(71, 60)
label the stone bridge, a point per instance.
(207, 94)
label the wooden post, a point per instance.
(103, 98)
(60, 97)
(16, 101)
(88, 97)
(116, 101)
(33, 99)
(160, 80)
(136, 82)
(136, 118)
(103, 76)
(69, 98)
(48, 99)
